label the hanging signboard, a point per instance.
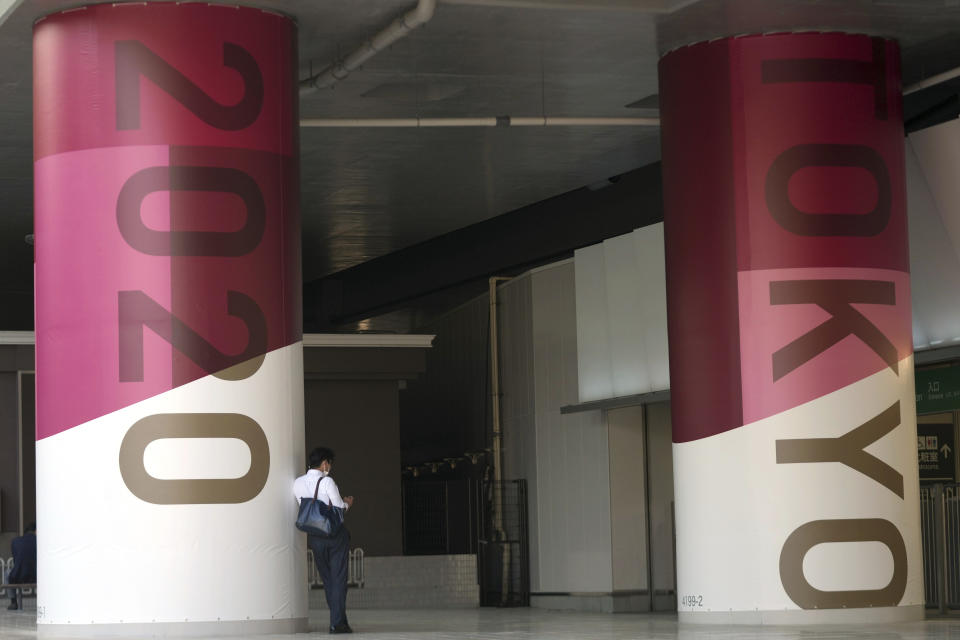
(935, 452)
(938, 389)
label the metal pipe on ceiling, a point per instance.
(932, 80)
(337, 71)
(497, 121)
(643, 6)
(498, 483)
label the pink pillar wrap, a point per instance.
(168, 318)
(791, 358)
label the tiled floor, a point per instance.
(524, 624)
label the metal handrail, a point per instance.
(355, 575)
(940, 535)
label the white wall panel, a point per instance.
(938, 150)
(573, 474)
(621, 313)
(593, 339)
(652, 325)
(934, 219)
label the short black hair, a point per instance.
(318, 455)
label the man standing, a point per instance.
(24, 570)
(331, 555)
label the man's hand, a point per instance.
(348, 500)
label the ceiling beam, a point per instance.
(644, 6)
(535, 234)
(7, 7)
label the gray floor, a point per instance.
(521, 624)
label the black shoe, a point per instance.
(13, 607)
(341, 628)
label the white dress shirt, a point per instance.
(305, 485)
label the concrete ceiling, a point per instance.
(368, 192)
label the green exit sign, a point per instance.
(938, 389)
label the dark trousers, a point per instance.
(331, 556)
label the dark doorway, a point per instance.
(504, 562)
(441, 516)
(28, 448)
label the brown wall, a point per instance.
(9, 469)
(358, 419)
(14, 358)
(28, 439)
(446, 411)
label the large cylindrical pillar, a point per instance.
(168, 321)
(790, 330)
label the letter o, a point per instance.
(827, 224)
(809, 535)
(190, 243)
(194, 491)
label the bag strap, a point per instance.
(316, 491)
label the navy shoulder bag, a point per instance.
(318, 518)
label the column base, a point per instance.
(871, 615)
(174, 629)
(625, 601)
(599, 602)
